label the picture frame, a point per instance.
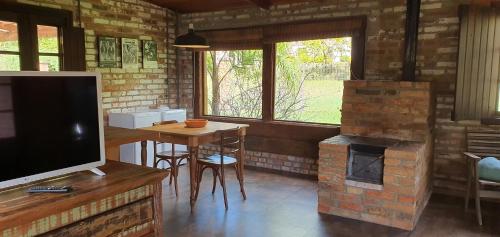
(149, 54)
(107, 51)
(130, 53)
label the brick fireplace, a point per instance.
(379, 168)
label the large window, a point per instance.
(290, 74)
(234, 83)
(309, 79)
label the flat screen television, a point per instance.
(50, 125)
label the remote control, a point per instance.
(50, 189)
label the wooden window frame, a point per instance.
(60, 39)
(267, 124)
(27, 18)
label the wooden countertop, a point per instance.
(18, 206)
(117, 136)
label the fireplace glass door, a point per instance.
(366, 163)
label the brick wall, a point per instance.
(436, 59)
(179, 64)
(387, 109)
(123, 89)
(290, 165)
(437, 62)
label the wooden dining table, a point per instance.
(178, 133)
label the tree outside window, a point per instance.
(308, 80)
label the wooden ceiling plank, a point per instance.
(192, 6)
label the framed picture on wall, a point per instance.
(130, 53)
(107, 51)
(149, 54)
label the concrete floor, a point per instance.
(285, 206)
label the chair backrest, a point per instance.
(229, 142)
(483, 141)
(155, 143)
(164, 122)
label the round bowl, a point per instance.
(196, 123)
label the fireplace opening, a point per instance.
(366, 163)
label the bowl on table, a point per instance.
(196, 123)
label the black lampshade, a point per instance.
(191, 40)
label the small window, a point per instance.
(309, 79)
(48, 48)
(233, 83)
(9, 47)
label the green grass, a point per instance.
(324, 101)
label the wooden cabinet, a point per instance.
(134, 219)
(125, 202)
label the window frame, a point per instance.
(267, 124)
(11, 17)
(60, 51)
(352, 77)
(27, 18)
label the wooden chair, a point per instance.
(481, 142)
(172, 157)
(229, 144)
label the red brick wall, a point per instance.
(436, 59)
(387, 109)
(123, 89)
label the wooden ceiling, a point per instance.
(190, 6)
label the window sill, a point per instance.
(275, 122)
(283, 129)
(491, 121)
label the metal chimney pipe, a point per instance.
(411, 39)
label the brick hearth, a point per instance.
(396, 115)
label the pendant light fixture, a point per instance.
(191, 40)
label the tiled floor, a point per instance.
(284, 206)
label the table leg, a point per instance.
(242, 156)
(144, 153)
(193, 154)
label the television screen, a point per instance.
(48, 122)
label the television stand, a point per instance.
(97, 171)
(125, 202)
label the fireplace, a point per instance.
(379, 168)
(366, 163)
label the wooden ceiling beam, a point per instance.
(264, 4)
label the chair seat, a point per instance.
(166, 154)
(215, 160)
